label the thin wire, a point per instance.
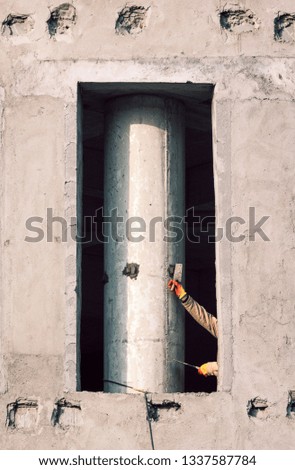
(146, 404)
(185, 364)
(124, 385)
(149, 420)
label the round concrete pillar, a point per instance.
(144, 192)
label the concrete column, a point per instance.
(144, 182)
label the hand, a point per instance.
(177, 288)
(209, 368)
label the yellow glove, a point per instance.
(177, 287)
(209, 368)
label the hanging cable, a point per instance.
(148, 415)
(149, 418)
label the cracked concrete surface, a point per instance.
(132, 19)
(66, 413)
(62, 18)
(22, 413)
(284, 27)
(17, 24)
(238, 20)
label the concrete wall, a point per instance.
(250, 59)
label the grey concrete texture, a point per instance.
(156, 29)
(252, 66)
(144, 142)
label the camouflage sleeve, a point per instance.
(205, 319)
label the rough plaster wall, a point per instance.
(30, 170)
(99, 426)
(33, 324)
(3, 377)
(263, 325)
(92, 34)
(253, 140)
(73, 198)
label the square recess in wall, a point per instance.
(200, 347)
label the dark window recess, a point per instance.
(93, 279)
(200, 346)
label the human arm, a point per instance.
(199, 313)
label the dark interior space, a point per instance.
(91, 334)
(200, 346)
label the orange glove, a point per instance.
(177, 287)
(209, 368)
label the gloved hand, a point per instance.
(209, 368)
(177, 287)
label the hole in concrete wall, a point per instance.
(132, 20)
(62, 18)
(291, 404)
(256, 406)
(284, 27)
(154, 408)
(131, 270)
(22, 414)
(17, 24)
(200, 257)
(66, 414)
(238, 20)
